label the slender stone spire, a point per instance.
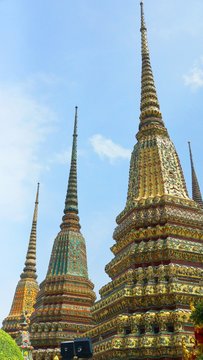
(196, 193)
(150, 109)
(70, 218)
(29, 270)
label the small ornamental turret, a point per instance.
(62, 310)
(27, 287)
(196, 193)
(23, 340)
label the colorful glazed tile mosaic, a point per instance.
(156, 272)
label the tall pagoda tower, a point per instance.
(27, 287)
(196, 193)
(156, 272)
(62, 309)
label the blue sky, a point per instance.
(58, 54)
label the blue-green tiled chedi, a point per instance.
(62, 309)
(68, 255)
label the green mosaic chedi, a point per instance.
(68, 255)
(62, 309)
(69, 250)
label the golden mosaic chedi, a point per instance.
(27, 287)
(157, 267)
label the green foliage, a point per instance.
(200, 357)
(197, 314)
(8, 348)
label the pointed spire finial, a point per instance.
(196, 193)
(70, 218)
(76, 121)
(143, 26)
(36, 204)
(150, 110)
(29, 270)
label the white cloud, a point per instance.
(106, 148)
(194, 78)
(24, 125)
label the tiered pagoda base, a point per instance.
(63, 313)
(48, 354)
(144, 312)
